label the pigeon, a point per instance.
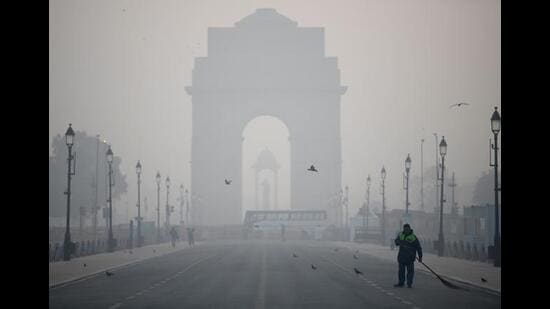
(109, 274)
(294, 255)
(312, 168)
(483, 280)
(355, 257)
(459, 104)
(357, 271)
(313, 266)
(228, 182)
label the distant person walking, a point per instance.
(408, 247)
(174, 236)
(190, 236)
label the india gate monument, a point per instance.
(266, 65)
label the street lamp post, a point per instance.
(138, 172)
(407, 170)
(383, 175)
(158, 206)
(495, 127)
(442, 152)
(110, 245)
(181, 204)
(366, 211)
(67, 245)
(187, 206)
(167, 206)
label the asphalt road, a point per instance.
(255, 274)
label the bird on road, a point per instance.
(294, 255)
(313, 266)
(357, 271)
(458, 104)
(312, 168)
(355, 257)
(483, 280)
(109, 274)
(228, 182)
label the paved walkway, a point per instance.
(465, 271)
(67, 271)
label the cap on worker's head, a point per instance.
(406, 225)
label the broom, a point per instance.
(445, 282)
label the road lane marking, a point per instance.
(157, 284)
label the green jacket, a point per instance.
(408, 247)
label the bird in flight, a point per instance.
(312, 168)
(228, 182)
(459, 104)
(313, 266)
(294, 255)
(357, 271)
(109, 274)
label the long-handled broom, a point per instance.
(445, 282)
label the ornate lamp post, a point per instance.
(407, 170)
(167, 206)
(110, 245)
(383, 176)
(187, 206)
(442, 152)
(181, 204)
(158, 206)
(495, 127)
(138, 172)
(366, 211)
(67, 244)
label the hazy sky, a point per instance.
(118, 68)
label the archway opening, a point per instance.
(265, 139)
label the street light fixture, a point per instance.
(181, 204)
(442, 152)
(383, 176)
(407, 170)
(67, 244)
(495, 127)
(366, 211)
(138, 172)
(167, 206)
(110, 245)
(158, 206)
(187, 206)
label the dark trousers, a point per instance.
(410, 273)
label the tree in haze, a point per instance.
(83, 182)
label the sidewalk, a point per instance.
(67, 271)
(464, 271)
